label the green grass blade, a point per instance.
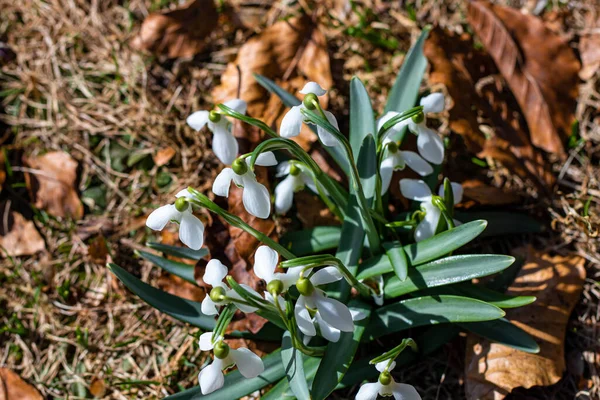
(362, 121)
(446, 271)
(504, 332)
(182, 270)
(429, 310)
(178, 251)
(294, 368)
(310, 241)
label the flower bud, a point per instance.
(305, 286)
(418, 118)
(385, 378)
(239, 166)
(221, 350)
(294, 170)
(181, 204)
(275, 287)
(310, 100)
(217, 294)
(214, 116)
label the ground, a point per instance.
(66, 324)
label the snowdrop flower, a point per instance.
(225, 146)
(292, 121)
(211, 377)
(191, 229)
(265, 263)
(386, 386)
(396, 128)
(220, 294)
(430, 145)
(418, 190)
(313, 306)
(297, 177)
(395, 160)
(256, 197)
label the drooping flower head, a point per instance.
(430, 145)
(297, 176)
(292, 121)
(265, 264)
(386, 386)
(191, 229)
(225, 146)
(220, 293)
(418, 190)
(255, 197)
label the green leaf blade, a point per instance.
(182, 270)
(294, 368)
(362, 120)
(504, 332)
(398, 260)
(178, 251)
(310, 241)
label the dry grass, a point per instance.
(77, 86)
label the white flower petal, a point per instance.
(378, 298)
(243, 307)
(457, 192)
(284, 194)
(184, 193)
(309, 182)
(324, 135)
(414, 128)
(327, 331)
(161, 216)
(335, 313)
(191, 231)
(208, 307)
(223, 182)
(430, 145)
(249, 364)
(326, 275)
(385, 118)
(381, 366)
(291, 122)
(265, 262)
(205, 341)
(211, 377)
(415, 189)
(434, 103)
(402, 391)
(368, 391)
(386, 170)
(269, 297)
(256, 199)
(428, 226)
(303, 318)
(417, 163)
(313, 87)
(290, 277)
(238, 105)
(266, 159)
(283, 169)
(197, 120)
(214, 273)
(225, 146)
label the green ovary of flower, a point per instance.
(294, 170)
(239, 166)
(305, 286)
(181, 204)
(310, 101)
(275, 287)
(217, 294)
(214, 116)
(221, 350)
(418, 118)
(385, 378)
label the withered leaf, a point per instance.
(163, 156)
(589, 48)
(485, 194)
(180, 32)
(18, 236)
(539, 66)
(494, 370)
(12, 387)
(52, 183)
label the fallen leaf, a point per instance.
(98, 250)
(180, 32)
(12, 387)
(312, 216)
(589, 49)
(163, 156)
(51, 181)
(98, 388)
(539, 66)
(18, 236)
(494, 370)
(488, 195)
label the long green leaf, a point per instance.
(489, 296)
(339, 355)
(184, 271)
(398, 260)
(362, 121)
(446, 271)
(426, 250)
(282, 389)
(310, 241)
(178, 251)
(428, 310)
(294, 368)
(504, 332)
(176, 307)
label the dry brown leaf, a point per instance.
(12, 387)
(589, 49)
(485, 194)
(163, 156)
(539, 66)
(180, 32)
(494, 370)
(98, 388)
(98, 250)
(18, 236)
(51, 181)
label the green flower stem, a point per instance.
(395, 352)
(230, 112)
(223, 321)
(439, 203)
(394, 120)
(202, 200)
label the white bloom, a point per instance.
(331, 315)
(256, 197)
(265, 263)
(225, 146)
(418, 190)
(191, 229)
(400, 391)
(396, 128)
(297, 177)
(430, 145)
(396, 160)
(292, 121)
(214, 275)
(211, 377)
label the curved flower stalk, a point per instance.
(418, 190)
(220, 294)
(386, 386)
(211, 377)
(315, 308)
(191, 229)
(430, 145)
(292, 121)
(298, 176)
(225, 146)
(396, 160)
(256, 197)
